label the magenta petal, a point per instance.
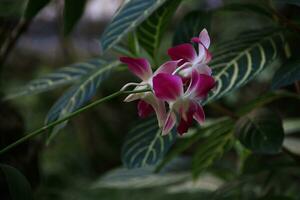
(200, 85)
(199, 114)
(186, 121)
(204, 38)
(144, 109)
(195, 40)
(183, 51)
(138, 66)
(167, 87)
(168, 67)
(169, 123)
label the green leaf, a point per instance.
(261, 131)
(199, 134)
(291, 125)
(293, 2)
(150, 32)
(238, 61)
(248, 7)
(122, 178)
(266, 99)
(287, 74)
(129, 16)
(63, 76)
(144, 145)
(190, 26)
(18, 186)
(73, 10)
(78, 95)
(133, 44)
(11, 8)
(215, 145)
(292, 144)
(123, 51)
(33, 7)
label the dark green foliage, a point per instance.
(144, 145)
(214, 146)
(150, 32)
(130, 15)
(191, 25)
(72, 13)
(261, 131)
(17, 185)
(239, 60)
(33, 8)
(287, 74)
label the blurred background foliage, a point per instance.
(71, 166)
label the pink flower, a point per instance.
(148, 101)
(190, 59)
(185, 104)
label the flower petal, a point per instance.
(138, 66)
(200, 85)
(169, 123)
(167, 87)
(203, 69)
(168, 67)
(160, 110)
(132, 97)
(186, 120)
(208, 56)
(204, 38)
(144, 109)
(183, 51)
(199, 114)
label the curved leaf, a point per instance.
(216, 144)
(61, 77)
(18, 186)
(78, 95)
(287, 74)
(150, 32)
(238, 61)
(293, 2)
(261, 131)
(199, 134)
(145, 177)
(144, 145)
(33, 7)
(266, 99)
(73, 10)
(130, 15)
(249, 7)
(190, 26)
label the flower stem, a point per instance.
(71, 115)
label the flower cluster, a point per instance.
(182, 84)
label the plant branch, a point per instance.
(12, 39)
(71, 115)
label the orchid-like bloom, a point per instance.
(148, 101)
(190, 59)
(185, 104)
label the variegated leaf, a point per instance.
(145, 145)
(214, 146)
(78, 95)
(61, 77)
(240, 60)
(129, 16)
(150, 32)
